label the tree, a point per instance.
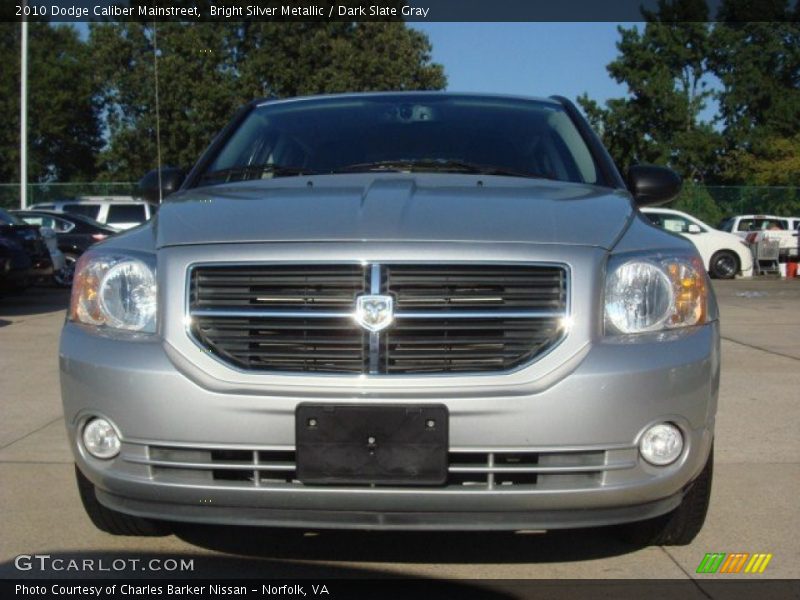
(758, 64)
(293, 59)
(207, 70)
(664, 68)
(63, 122)
(197, 92)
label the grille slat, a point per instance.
(496, 470)
(476, 286)
(449, 318)
(277, 286)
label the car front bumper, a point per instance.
(182, 441)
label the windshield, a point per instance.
(413, 132)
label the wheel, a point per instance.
(724, 265)
(63, 277)
(681, 526)
(111, 521)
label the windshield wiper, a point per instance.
(256, 171)
(434, 165)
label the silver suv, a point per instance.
(397, 311)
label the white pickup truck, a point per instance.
(782, 228)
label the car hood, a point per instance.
(396, 207)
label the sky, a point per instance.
(531, 59)
(534, 59)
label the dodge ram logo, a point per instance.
(374, 312)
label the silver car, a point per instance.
(419, 311)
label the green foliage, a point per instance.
(197, 92)
(106, 84)
(664, 67)
(63, 126)
(317, 58)
(712, 204)
(207, 70)
(667, 68)
(696, 200)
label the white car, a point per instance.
(119, 212)
(742, 225)
(724, 254)
(755, 227)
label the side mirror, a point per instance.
(650, 184)
(171, 180)
(694, 228)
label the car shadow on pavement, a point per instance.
(35, 300)
(408, 547)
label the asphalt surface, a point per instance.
(754, 506)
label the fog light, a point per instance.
(662, 444)
(100, 439)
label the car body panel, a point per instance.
(74, 234)
(31, 240)
(578, 409)
(392, 207)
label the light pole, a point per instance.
(23, 115)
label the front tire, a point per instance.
(111, 521)
(681, 526)
(724, 265)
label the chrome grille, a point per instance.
(277, 286)
(448, 318)
(496, 470)
(476, 287)
(465, 345)
(286, 344)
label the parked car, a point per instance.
(397, 311)
(725, 255)
(15, 263)
(118, 212)
(74, 233)
(31, 241)
(741, 225)
(783, 229)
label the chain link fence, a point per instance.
(49, 192)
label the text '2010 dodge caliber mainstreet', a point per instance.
(397, 311)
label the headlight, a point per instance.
(652, 294)
(114, 291)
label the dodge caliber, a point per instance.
(417, 311)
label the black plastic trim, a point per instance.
(387, 520)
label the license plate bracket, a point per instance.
(366, 444)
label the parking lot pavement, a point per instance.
(754, 503)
